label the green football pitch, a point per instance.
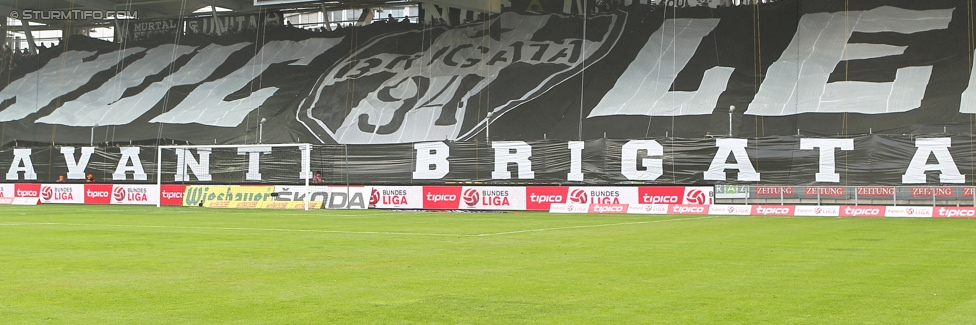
(147, 265)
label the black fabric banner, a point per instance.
(787, 160)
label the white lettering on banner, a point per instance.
(129, 154)
(685, 209)
(854, 212)
(22, 163)
(653, 168)
(185, 159)
(172, 195)
(608, 208)
(76, 169)
(575, 161)
(441, 197)
(827, 171)
(96, 194)
(26, 193)
(915, 174)
(644, 88)
(655, 199)
(517, 152)
(535, 198)
(772, 211)
(736, 148)
(798, 81)
(253, 161)
(956, 212)
(431, 154)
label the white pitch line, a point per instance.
(233, 228)
(589, 226)
(352, 232)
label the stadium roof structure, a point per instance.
(177, 8)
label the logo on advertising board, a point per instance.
(968, 191)
(471, 197)
(197, 194)
(647, 209)
(579, 196)
(62, 193)
(908, 212)
(493, 197)
(331, 197)
(387, 197)
(689, 209)
(98, 193)
(862, 211)
(539, 198)
(568, 208)
(6, 190)
(698, 195)
(442, 197)
(816, 211)
(662, 195)
(954, 212)
(171, 194)
(134, 194)
(27, 190)
(773, 210)
(610, 195)
(608, 208)
(730, 210)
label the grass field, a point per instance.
(143, 265)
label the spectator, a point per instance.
(90, 178)
(60, 179)
(390, 19)
(318, 178)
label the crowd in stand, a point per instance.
(10, 58)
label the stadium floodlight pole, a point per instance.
(731, 109)
(261, 130)
(488, 127)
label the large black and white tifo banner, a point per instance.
(792, 160)
(820, 68)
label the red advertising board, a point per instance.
(171, 194)
(862, 211)
(608, 208)
(773, 210)
(954, 212)
(539, 198)
(98, 193)
(442, 197)
(688, 209)
(27, 190)
(660, 194)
